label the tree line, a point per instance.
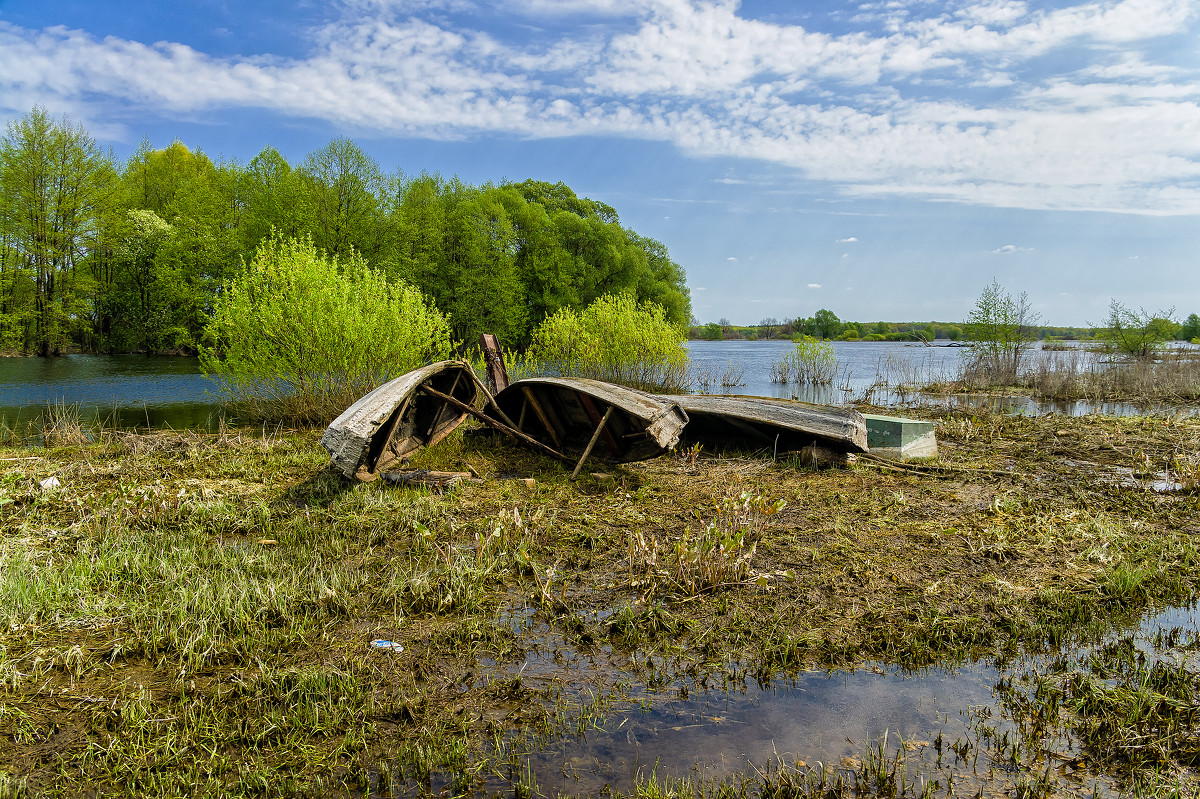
(825, 324)
(102, 256)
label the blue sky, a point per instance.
(884, 160)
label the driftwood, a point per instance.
(781, 425)
(396, 419)
(426, 477)
(566, 412)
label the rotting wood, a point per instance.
(393, 421)
(512, 431)
(494, 358)
(759, 420)
(592, 443)
(542, 415)
(428, 478)
(642, 426)
(442, 409)
(594, 415)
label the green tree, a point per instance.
(272, 197)
(298, 335)
(1190, 328)
(1000, 329)
(55, 183)
(1137, 334)
(825, 324)
(618, 339)
(344, 189)
(156, 299)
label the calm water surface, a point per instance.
(118, 390)
(150, 391)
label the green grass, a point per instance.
(192, 614)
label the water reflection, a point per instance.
(832, 719)
(111, 390)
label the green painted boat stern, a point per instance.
(904, 439)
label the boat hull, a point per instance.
(782, 425)
(564, 413)
(398, 419)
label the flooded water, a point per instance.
(148, 391)
(949, 726)
(883, 373)
(116, 390)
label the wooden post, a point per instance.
(592, 443)
(497, 374)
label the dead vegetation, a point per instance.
(193, 614)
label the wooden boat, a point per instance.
(399, 418)
(571, 415)
(781, 425)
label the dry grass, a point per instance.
(193, 613)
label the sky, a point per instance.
(884, 160)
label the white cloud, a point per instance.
(814, 285)
(947, 106)
(1008, 249)
(850, 240)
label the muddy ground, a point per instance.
(191, 614)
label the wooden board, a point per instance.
(782, 425)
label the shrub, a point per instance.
(1137, 334)
(299, 336)
(1001, 328)
(812, 361)
(614, 339)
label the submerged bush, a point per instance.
(615, 339)
(812, 362)
(299, 336)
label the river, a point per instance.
(156, 392)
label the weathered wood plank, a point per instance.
(759, 421)
(642, 426)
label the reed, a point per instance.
(61, 424)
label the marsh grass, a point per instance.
(1076, 374)
(193, 613)
(61, 425)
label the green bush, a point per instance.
(812, 361)
(614, 339)
(299, 336)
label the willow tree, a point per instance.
(1000, 329)
(54, 184)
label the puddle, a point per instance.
(951, 726)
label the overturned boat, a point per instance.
(780, 425)
(400, 417)
(575, 415)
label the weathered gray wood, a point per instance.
(497, 374)
(394, 420)
(592, 443)
(645, 425)
(758, 421)
(504, 428)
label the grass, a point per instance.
(1075, 374)
(192, 614)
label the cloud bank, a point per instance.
(950, 102)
